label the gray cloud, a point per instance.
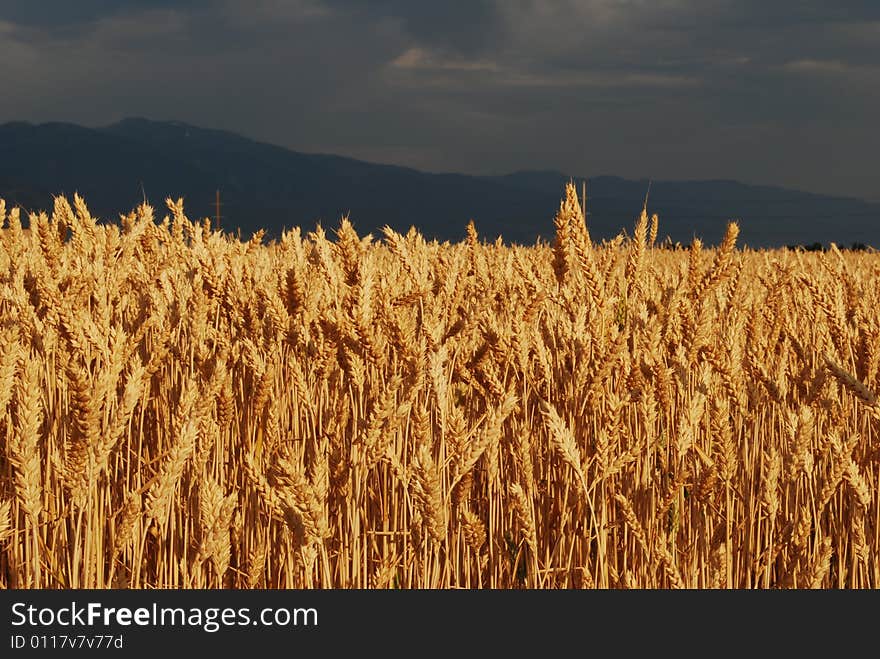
(451, 26)
(781, 92)
(62, 12)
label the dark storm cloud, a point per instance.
(775, 92)
(66, 13)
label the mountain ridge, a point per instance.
(266, 186)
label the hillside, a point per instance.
(266, 186)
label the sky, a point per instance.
(769, 92)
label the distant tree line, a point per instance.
(668, 243)
(819, 247)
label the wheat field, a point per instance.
(181, 409)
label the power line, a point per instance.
(759, 216)
(660, 199)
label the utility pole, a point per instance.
(217, 215)
(584, 198)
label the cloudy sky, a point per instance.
(770, 91)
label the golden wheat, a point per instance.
(179, 408)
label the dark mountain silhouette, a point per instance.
(270, 187)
